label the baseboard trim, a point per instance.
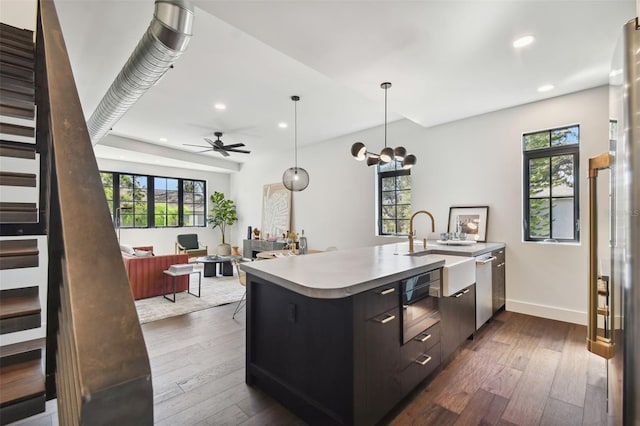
(550, 312)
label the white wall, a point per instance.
(477, 161)
(163, 239)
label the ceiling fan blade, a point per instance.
(243, 151)
(199, 146)
(233, 145)
(210, 142)
(221, 151)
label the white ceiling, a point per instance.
(446, 59)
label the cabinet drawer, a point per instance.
(425, 364)
(381, 299)
(420, 344)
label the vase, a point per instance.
(234, 251)
(223, 250)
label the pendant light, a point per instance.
(295, 178)
(399, 154)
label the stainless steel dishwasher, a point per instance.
(484, 292)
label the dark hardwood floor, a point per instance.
(519, 370)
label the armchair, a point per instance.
(188, 243)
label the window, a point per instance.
(141, 201)
(193, 203)
(551, 195)
(165, 198)
(394, 199)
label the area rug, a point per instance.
(216, 291)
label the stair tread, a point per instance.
(10, 48)
(21, 381)
(17, 84)
(17, 306)
(18, 248)
(16, 129)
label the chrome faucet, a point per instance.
(433, 227)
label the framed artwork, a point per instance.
(470, 220)
(276, 210)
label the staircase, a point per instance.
(23, 241)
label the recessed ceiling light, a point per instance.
(283, 125)
(545, 88)
(163, 139)
(523, 41)
(220, 106)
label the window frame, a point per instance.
(386, 174)
(551, 152)
(150, 193)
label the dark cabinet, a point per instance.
(458, 313)
(335, 361)
(498, 279)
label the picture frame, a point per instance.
(472, 220)
(276, 210)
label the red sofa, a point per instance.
(145, 273)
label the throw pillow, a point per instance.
(127, 249)
(143, 253)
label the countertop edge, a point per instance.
(345, 291)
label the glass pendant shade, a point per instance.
(399, 153)
(409, 161)
(295, 179)
(386, 155)
(359, 151)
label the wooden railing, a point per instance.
(96, 354)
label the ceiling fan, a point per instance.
(220, 147)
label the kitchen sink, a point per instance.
(458, 272)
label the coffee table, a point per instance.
(211, 263)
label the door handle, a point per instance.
(599, 345)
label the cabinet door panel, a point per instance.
(382, 341)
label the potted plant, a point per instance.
(222, 214)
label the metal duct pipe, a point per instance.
(164, 41)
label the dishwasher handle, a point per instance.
(485, 261)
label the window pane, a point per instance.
(404, 182)
(404, 211)
(388, 183)
(389, 212)
(565, 136)
(539, 218)
(404, 197)
(389, 226)
(388, 197)
(536, 141)
(562, 176)
(562, 213)
(539, 177)
(403, 227)
(388, 167)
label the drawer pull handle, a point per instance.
(423, 337)
(424, 361)
(458, 295)
(465, 291)
(387, 291)
(386, 319)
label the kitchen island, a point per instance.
(327, 334)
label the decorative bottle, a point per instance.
(303, 243)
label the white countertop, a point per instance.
(342, 273)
